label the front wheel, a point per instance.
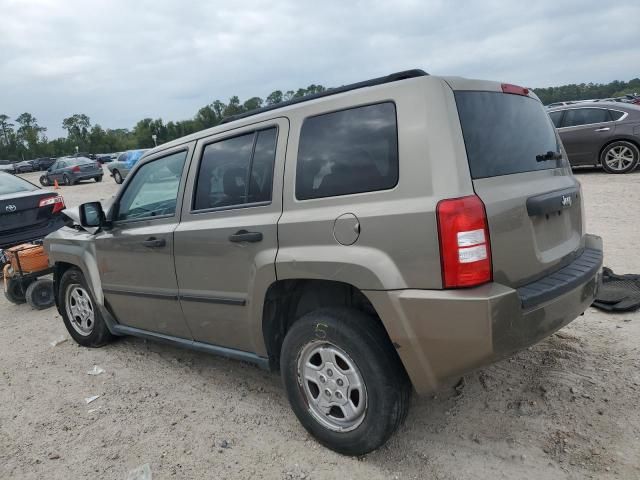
(117, 177)
(98, 178)
(67, 181)
(44, 181)
(344, 380)
(80, 312)
(620, 157)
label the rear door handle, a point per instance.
(603, 129)
(153, 242)
(245, 236)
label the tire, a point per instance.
(39, 294)
(66, 180)
(44, 181)
(117, 177)
(90, 330)
(620, 157)
(14, 292)
(360, 352)
(98, 178)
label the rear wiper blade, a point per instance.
(549, 156)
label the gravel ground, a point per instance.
(565, 408)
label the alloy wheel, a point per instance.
(332, 385)
(80, 310)
(619, 158)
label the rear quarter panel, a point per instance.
(398, 243)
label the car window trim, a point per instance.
(351, 107)
(255, 132)
(564, 115)
(151, 159)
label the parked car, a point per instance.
(24, 167)
(42, 163)
(71, 170)
(27, 212)
(7, 166)
(104, 158)
(387, 234)
(605, 133)
(125, 162)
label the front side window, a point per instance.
(153, 191)
(585, 116)
(346, 152)
(236, 171)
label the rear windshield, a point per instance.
(504, 133)
(11, 184)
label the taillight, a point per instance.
(465, 251)
(57, 202)
(75, 169)
(514, 89)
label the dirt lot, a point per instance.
(566, 408)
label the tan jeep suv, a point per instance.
(365, 241)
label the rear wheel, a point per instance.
(39, 294)
(80, 313)
(344, 380)
(117, 176)
(620, 157)
(44, 181)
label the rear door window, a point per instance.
(575, 117)
(237, 171)
(350, 151)
(504, 133)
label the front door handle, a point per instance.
(153, 242)
(244, 236)
(603, 129)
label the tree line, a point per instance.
(23, 138)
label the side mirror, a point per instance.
(92, 215)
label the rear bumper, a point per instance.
(30, 235)
(442, 333)
(87, 175)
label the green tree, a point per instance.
(274, 97)
(29, 134)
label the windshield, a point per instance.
(506, 134)
(11, 184)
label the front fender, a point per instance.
(76, 248)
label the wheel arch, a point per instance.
(288, 300)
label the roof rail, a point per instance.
(394, 77)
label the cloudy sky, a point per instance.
(122, 60)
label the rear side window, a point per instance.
(350, 151)
(504, 133)
(616, 114)
(237, 171)
(585, 116)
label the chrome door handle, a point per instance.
(603, 129)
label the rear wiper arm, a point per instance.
(549, 156)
